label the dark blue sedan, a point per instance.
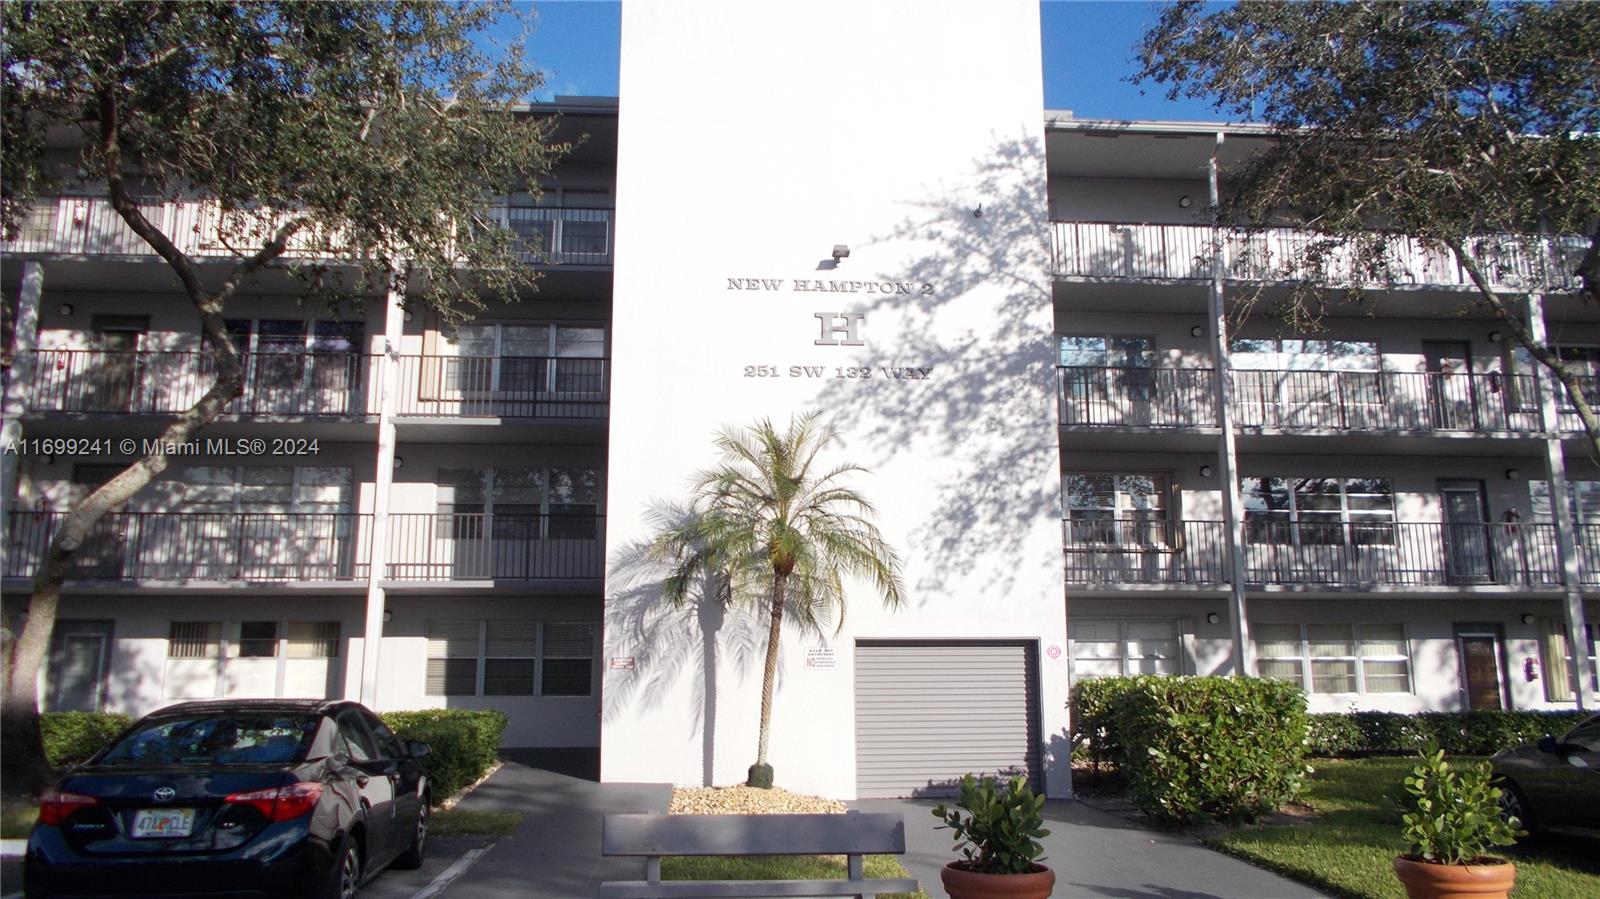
(237, 798)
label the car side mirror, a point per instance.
(417, 749)
(1548, 744)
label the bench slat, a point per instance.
(767, 835)
(639, 889)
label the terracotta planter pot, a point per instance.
(1424, 880)
(960, 884)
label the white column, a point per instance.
(1560, 511)
(23, 365)
(383, 481)
(1227, 453)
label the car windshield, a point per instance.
(215, 739)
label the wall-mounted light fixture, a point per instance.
(1197, 331)
(1212, 618)
(409, 315)
(1184, 202)
(1512, 474)
(398, 463)
(1494, 336)
(65, 309)
(978, 213)
(1205, 471)
(388, 616)
(1527, 617)
(840, 251)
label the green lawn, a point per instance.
(17, 816)
(780, 867)
(1349, 847)
(468, 822)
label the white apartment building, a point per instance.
(1089, 468)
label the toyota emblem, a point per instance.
(165, 794)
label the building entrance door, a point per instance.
(113, 376)
(1450, 384)
(1480, 669)
(1466, 533)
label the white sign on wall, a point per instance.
(822, 658)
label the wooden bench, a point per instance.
(852, 835)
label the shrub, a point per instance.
(1199, 749)
(462, 743)
(1453, 818)
(72, 737)
(1091, 717)
(1460, 733)
(999, 835)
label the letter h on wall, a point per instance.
(831, 325)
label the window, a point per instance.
(1583, 500)
(1112, 648)
(452, 658)
(359, 743)
(313, 640)
(516, 658)
(263, 489)
(1116, 508)
(1335, 658)
(258, 640)
(568, 662)
(1555, 657)
(1131, 360)
(521, 503)
(194, 640)
(526, 361)
(1318, 511)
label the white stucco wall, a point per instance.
(883, 126)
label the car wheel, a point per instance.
(412, 857)
(1515, 805)
(345, 878)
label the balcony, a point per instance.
(89, 226)
(131, 547)
(1367, 555)
(504, 387)
(126, 382)
(1438, 402)
(1134, 397)
(1119, 250)
(495, 546)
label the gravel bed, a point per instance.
(743, 800)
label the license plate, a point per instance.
(163, 822)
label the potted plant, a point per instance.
(998, 839)
(1452, 817)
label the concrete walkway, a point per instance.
(1095, 853)
(555, 852)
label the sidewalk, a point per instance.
(555, 852)
(1095, 853)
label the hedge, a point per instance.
(72, 737)
(1198, 749)
(462, 743)
(1333, 734)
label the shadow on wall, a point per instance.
(691, 640)
(980, 407)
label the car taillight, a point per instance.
(55, 806)
(281, 803)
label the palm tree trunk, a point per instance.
(769, 674)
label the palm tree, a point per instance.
(772, 529)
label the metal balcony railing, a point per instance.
(1386, 400)
(1097, 396)
(495, 546)
(201, 546)
(122, 382)
(90, 226)
(1104, 396)
(1324, 554)
(1184, 252)
(504, 387)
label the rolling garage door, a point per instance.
(929, 712)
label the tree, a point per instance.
(366, 136)
(772, 530)
(1472, 126)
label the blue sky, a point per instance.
(1088, 46)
